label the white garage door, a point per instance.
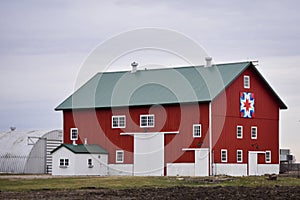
(149, 154)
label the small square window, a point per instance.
(197, 130)
(253, 132)
(74, 134)
(239, 156)
(119, 121)
(146, 121)
(223, 155)
(90, 163)
(119, 156)
(268, 156)
(63, 163)
(247, 82)
(239, 132)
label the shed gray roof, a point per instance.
(156, 86)
(83, 148)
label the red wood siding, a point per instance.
(226, 116)
(96, 126)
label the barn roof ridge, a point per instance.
(172, 67)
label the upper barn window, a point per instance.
(197, 130)
(239, 132)
(74, 134)
(253, 132)
(246, 82)
(119, 121)
(146, 121)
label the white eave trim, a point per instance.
(165, 132)
(256, 151)
(194, 149)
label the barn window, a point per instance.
(63, 163)
(74, 133)
(253, 132)
(247, 82)
(119, 156)
(146, 121)
(90, 163)
(268, 156)
(223, 155)
(239, 132)
(239, 155)
(119, 121)
(197, 130)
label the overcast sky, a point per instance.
(44, 43)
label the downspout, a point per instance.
(210, 141)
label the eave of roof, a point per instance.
(282, 105)
(83, 148)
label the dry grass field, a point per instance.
(220, 187)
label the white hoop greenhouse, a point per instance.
(28, 151)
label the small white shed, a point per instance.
(81, 159)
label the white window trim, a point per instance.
(71, 130)
(237, 153)
(237, 136)
(197, 136)
(119, 161)
(147, 126)
(118, 117)
(254, 127)
(224, 150)
(64, 163)
(270, 156)
(246, 77)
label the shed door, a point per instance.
(149, 154)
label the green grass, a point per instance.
(25, 184)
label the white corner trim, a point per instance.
(165, 132)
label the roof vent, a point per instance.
(134, 67)
(208, 61)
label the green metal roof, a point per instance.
(83, 148)
(156, 86)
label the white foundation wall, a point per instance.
(180, 169)
(120, 169)
(230, 169)
(267, 169)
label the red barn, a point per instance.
(195, 121)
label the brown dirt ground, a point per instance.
(280, 192)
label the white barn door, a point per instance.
(202, 162)
(252, 163)
(148, 154)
